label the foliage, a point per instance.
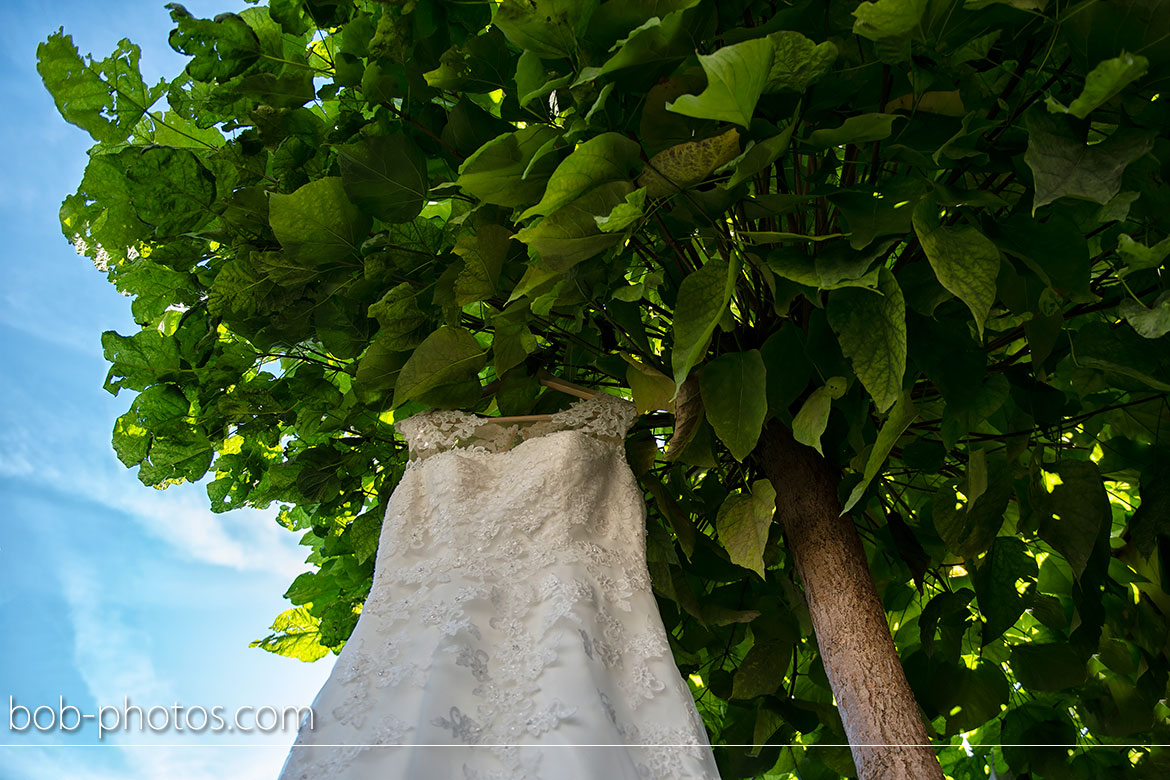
(928, 234)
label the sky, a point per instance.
(110, 591)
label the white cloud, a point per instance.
(243, 539)
(111, 654)
(113, 657)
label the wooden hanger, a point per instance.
(548, 380)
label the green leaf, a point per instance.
(296, 638)
(220, 48)
(688, 416)
(570, 234)
(888, 18)
(970, 526)
(364, 532)
(534, 81)
(684, 165)
(762, 670)
(661, 39)
(743, 522)
(623, 214)
(378, 369)
(977, 696)
(855, 130)
(482, 64)
(139, 360)
(107, 98)
(1102, 83)
(871, 328)
(443, 370)
(605, 158)
(1055, 249)
(964, 260)
(702, 298)
(483, 257)
(761, 155)
(736, 77)
(536, 277)
(797, 62)
(810, 422)
(901, 416)
(995, 585)
(1152, 322)
(179, 458)
(1139, 257)
(498, 172)
(154, 287)
(1120, 353)
(615, 21)
(734, 391)
(403, 323)
(651, 388)
(547, 28)
(131, 441)
(385, 176)
(513, 341)
(170, 189)
(1051, 666)
(1073, 513)
(831, 270)
(1065, 167)
(317, 224)
(873, 213)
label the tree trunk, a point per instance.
(876, 704)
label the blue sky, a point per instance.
(109, 589)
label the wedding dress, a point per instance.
(510, 632)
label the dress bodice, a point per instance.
(496, 497)
(605, 417)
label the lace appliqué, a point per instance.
(430, 432)
(498, 573)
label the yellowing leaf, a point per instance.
(684, 165)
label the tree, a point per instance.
(884, 279)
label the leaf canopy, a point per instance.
(925, 236)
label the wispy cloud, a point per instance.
(244, 539)
(110, 653)
(113, 656)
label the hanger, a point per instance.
(548, 380)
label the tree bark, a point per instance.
(877, 707)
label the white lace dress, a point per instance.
(510, 632)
